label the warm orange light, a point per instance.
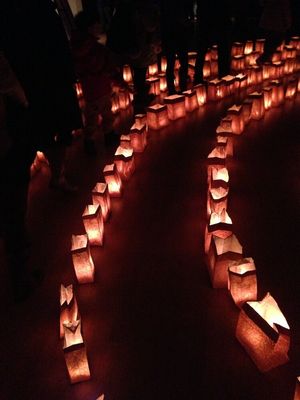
(152, 69)
(201, 93)
(238, 63)
(191, 102)
(236, 114)
(264, 333)
(138, 138)
(216, 89)
(248, 47)
(297, 389)
(175, 106)
(125, 142)
(242, 281)
(163, 64)
(267, 91)
(242, 81)
(291, 90)
(78, 89)
(82, 259)
(277, 93)
(230, 84)
(225, 140)
(163, 82)
(68, 307)
(260, 45)
(124, 99)
(220, 225)
(101, 196)
(214, 69)
(221, 253)
(247, 107)
(124, 161)
(75, 353)
(217, 198)
(154, 85)
(115, 107)
(237, 49)
(206, 69)
(140, 120)
(258, 108)
(113, 180)
(127, 74)
(101, 397)
(217, 156)
(157, 116)
(93, 224)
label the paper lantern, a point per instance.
(230, 84)
(125, 142)
(214, 52)
(247, 107)
(221, 253)
(251, 74)
(295, 42)
(264, 333)
(75, 353)
(138, 138)
(115, 105)
(289, 52)
(236, 114)
(191, 102)
(237, 49)
(260, 45)
(277, 93)
(124, 99)
(217, 198)
(175, 106)
(154, 85)
(207, 56)
(163, 86)
(250, 59)
(163, 64)
(297, 389)
(93, 224)
(153, 69)
(220, 225)
(206, 69)
(259, 74)
(82, 259)
(101, 196)
(124, 161)
(201, 93)
(217, 176)
(127, 74)
(291, 90)
(177, 64)
(242, 281)
(78, 89)
(68, 307)
(242, 81)
(101, 397)
(238, 63)
(140, 120)
(113, 180)
(157, 116)
(258, 108)
(225, 140)
(289, 66)
(214, 69)
(279, 69)
(248, 47)
(217, 156)
(267, 92)
(267, 70)
(192, 57)
(216, 89)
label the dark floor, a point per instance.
(153, 326)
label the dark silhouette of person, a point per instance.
(36, 46)
(176, 35)
(214, 27)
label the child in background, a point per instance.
(96, 71)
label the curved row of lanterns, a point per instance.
(269, 340)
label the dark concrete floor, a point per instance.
(153, 326)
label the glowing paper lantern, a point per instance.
(266, 70)
(295, 42)
(218, 176)
(157, 116)
(201, 93)
(225, 140)
(267, 91)
(236, 114)
(214, 69)
(68, 307)
(163, 64)
(191, 102)
(138, 138)
(101, 397)
(217, 199)
(220, 225)
(242, 81)
(279, 69)
(216, 89)
(277, 93)
(192, 56)
(221, 254)
(258, 74)
(82, 259)
(101, 196)
(78, 89)
(127, 74)
(247, 107)
(93, 224)
(242, 281)
(124, 161)
(214, 52)
(289, 52)
(124, 99)
(125, 142)
(264, 333)
(258, 108)
(75, 353)
(140, 120)
(115, 105)
(206, 69)
(154, 85)
(113, 180)
(217, 156)
(163, 82)
(297, 389)
(237, 49)
(260, 45)
(289, 66)
(152, 69)
(230, 84)
(251, 74)
(248, 47)
(291, 90)
(175, 106)
(238, 63)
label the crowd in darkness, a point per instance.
(43, 50)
